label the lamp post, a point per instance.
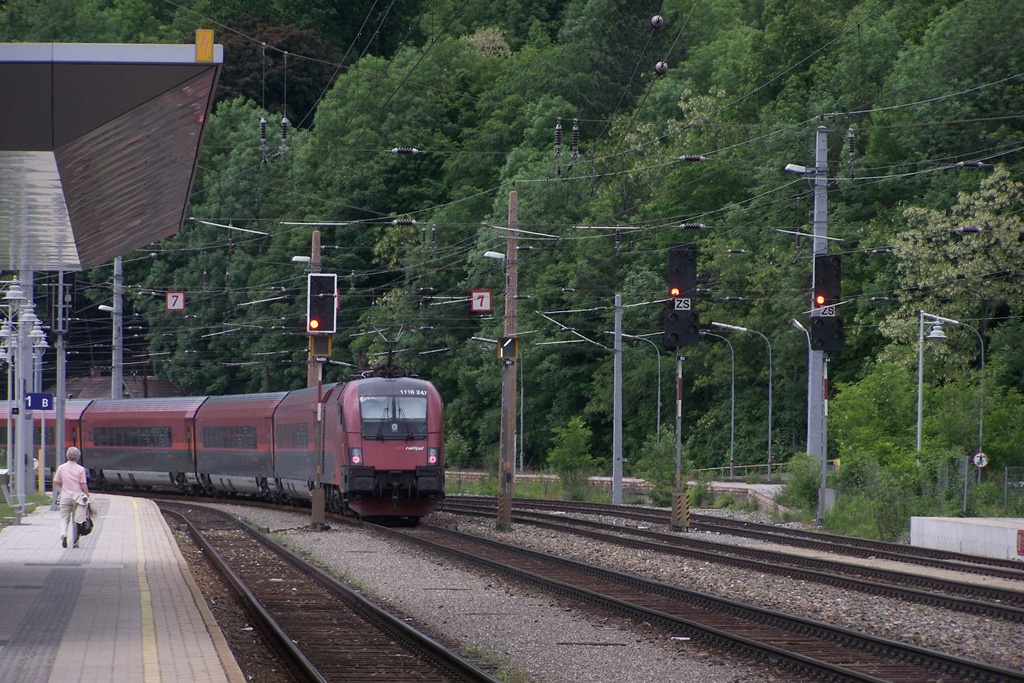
(797, 325)
(766, 341)
(732, 401)
(658, 353)
(811, 429)
(936, 332)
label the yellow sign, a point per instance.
(508, 348)
(204, 45)
(321, 346)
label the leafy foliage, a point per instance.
(413, 123)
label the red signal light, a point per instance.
(819, 299)
(675, 292)
(314, 324)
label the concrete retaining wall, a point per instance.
(989, 537)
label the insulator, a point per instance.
(692, 157)
(263, 138)
(851, 142)
(352, 281)
(404, 221)
(423, 236)
(433, 236)
(404, 150)
(657, 21)
(284, 134)
(575, 139)
(558, 147)
(661, 68)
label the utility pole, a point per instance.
(313, 368)
(507, 462)
(62, 300)
(23, 379)
(817, 382)
(617, 407)
(315, 378)
(680, 516)
(117, 360)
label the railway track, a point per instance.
(802, 646)
(324, 629)
(971, 598)
(813, 540)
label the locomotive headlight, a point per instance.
(432, 455)
(355, 455)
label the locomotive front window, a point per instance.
(393, 417)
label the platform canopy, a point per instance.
(98, 147)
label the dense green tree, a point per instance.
(906, 90)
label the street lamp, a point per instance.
(936, 332)
(811, 393)
(657, 351)
(732, 401)
(766, 341)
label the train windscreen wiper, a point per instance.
(383, 421)
(408, 428)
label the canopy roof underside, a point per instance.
(98, 148)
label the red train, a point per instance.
(382, 442)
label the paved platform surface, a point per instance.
(122, 607)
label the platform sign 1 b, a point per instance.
(38, 401)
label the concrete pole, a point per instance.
(680, 515)
(617, 407)
(314, 378)
(117, 361)
(60, 399)
(313, 372)
(817, 419)
(23, 375)
(507, 462)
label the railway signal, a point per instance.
(827, 280)
(827, 327)
(321, 303)
(682, 322)
(827, 333)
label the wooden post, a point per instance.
(507, 463)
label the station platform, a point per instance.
(121, 607)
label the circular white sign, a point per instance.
(980, 459)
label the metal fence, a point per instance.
(1013, 484)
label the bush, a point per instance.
(800, 491)
(571, 459)
(656, 464)
(456, 450)
(701, 495)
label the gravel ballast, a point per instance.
(530, 636)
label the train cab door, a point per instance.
(331, 435)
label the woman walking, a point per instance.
(70, 477)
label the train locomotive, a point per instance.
(381, 440)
